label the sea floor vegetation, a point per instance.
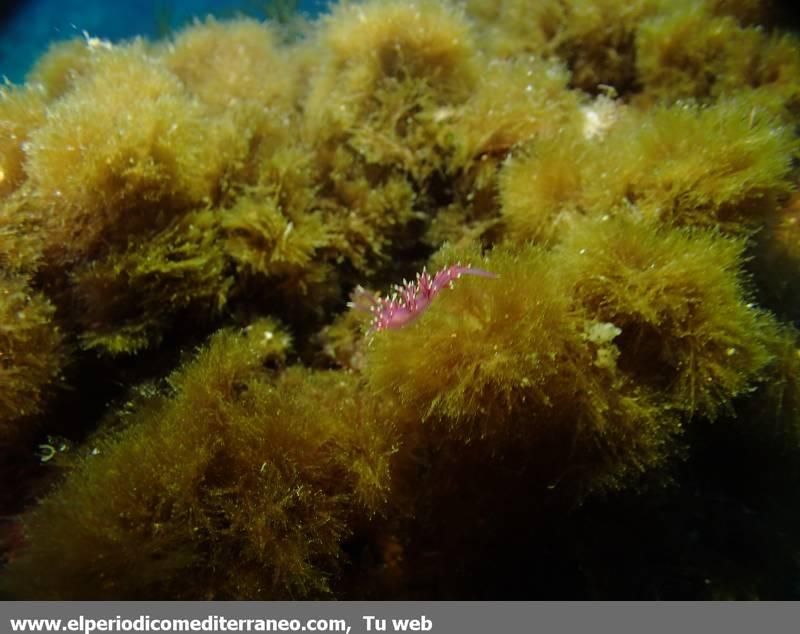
(216, 382)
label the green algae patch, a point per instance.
(21, 111)
(727, 166)
(32, 355)
(525, 368)
(684, 310)
(228, 464)
(127, 297)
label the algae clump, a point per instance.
(229, 463)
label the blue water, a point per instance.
(28, 27)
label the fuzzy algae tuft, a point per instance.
(626, 173)
(32, 354)
(228, 463)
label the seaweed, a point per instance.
(229, 462)
(607, 192)
(33, 355)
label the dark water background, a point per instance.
(28, 27)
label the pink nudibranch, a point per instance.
(410, 299)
